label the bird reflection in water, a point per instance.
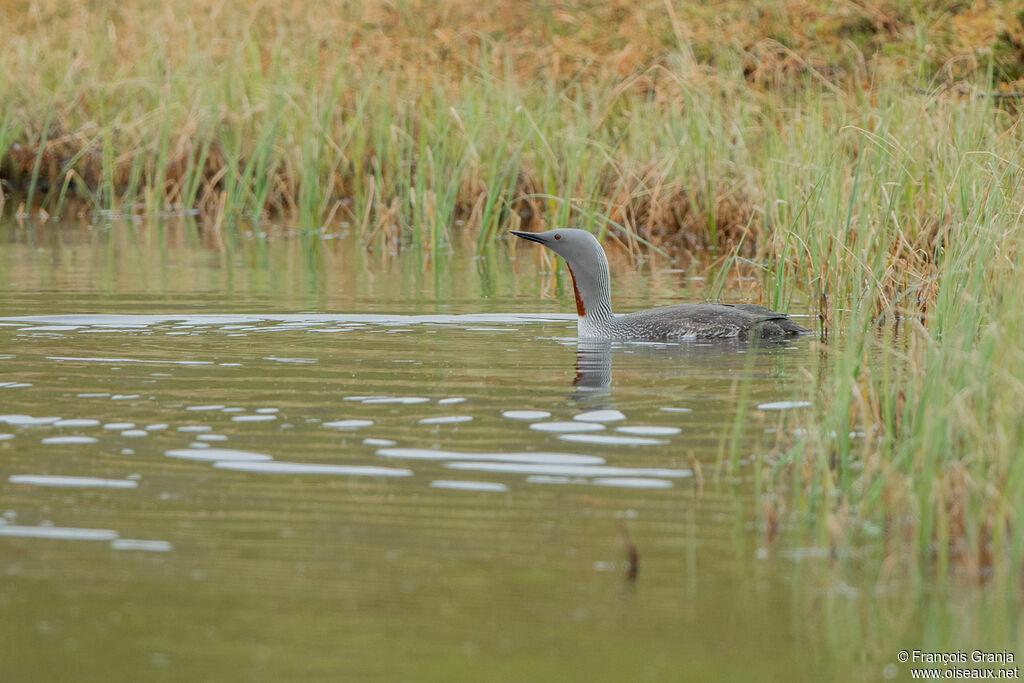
(702, 363)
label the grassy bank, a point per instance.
(865, 155)
(915, 452)
(400, 118)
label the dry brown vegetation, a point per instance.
(238, 108)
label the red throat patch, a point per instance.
(581, 310)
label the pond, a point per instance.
(294, 459)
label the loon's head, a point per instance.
(587, 263)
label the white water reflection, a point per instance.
(528, 457)
(611, 440)
(285, 320)
(348, 424)
(404, 400)
(600, 416)
(80, 422)
(215, 454)
(58, 532)
(462, 485)
(278, 467)
(571, 470)
(555, 479)
(50, 328)
(120, 361)
(67, 440)
(136, 544)
(648, 430)
(526, 414)
(447, 419)
(54, 480)
(27, 420)
(784, 405)
(633, 482)
(566, 427)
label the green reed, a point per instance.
(932, 454)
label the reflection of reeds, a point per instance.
(632, 554)
(807, 156)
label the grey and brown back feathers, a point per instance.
(703, 321)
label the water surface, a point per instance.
(285, 460)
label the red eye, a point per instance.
(558, 237)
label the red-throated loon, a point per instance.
(588, 267)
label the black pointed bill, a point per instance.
(531, 236)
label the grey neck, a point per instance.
(592, 284)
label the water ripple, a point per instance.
(216, 454)
(54, 480)
(278, 467)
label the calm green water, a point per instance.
(287, 459)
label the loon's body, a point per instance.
(588, 267)
(692, 321)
